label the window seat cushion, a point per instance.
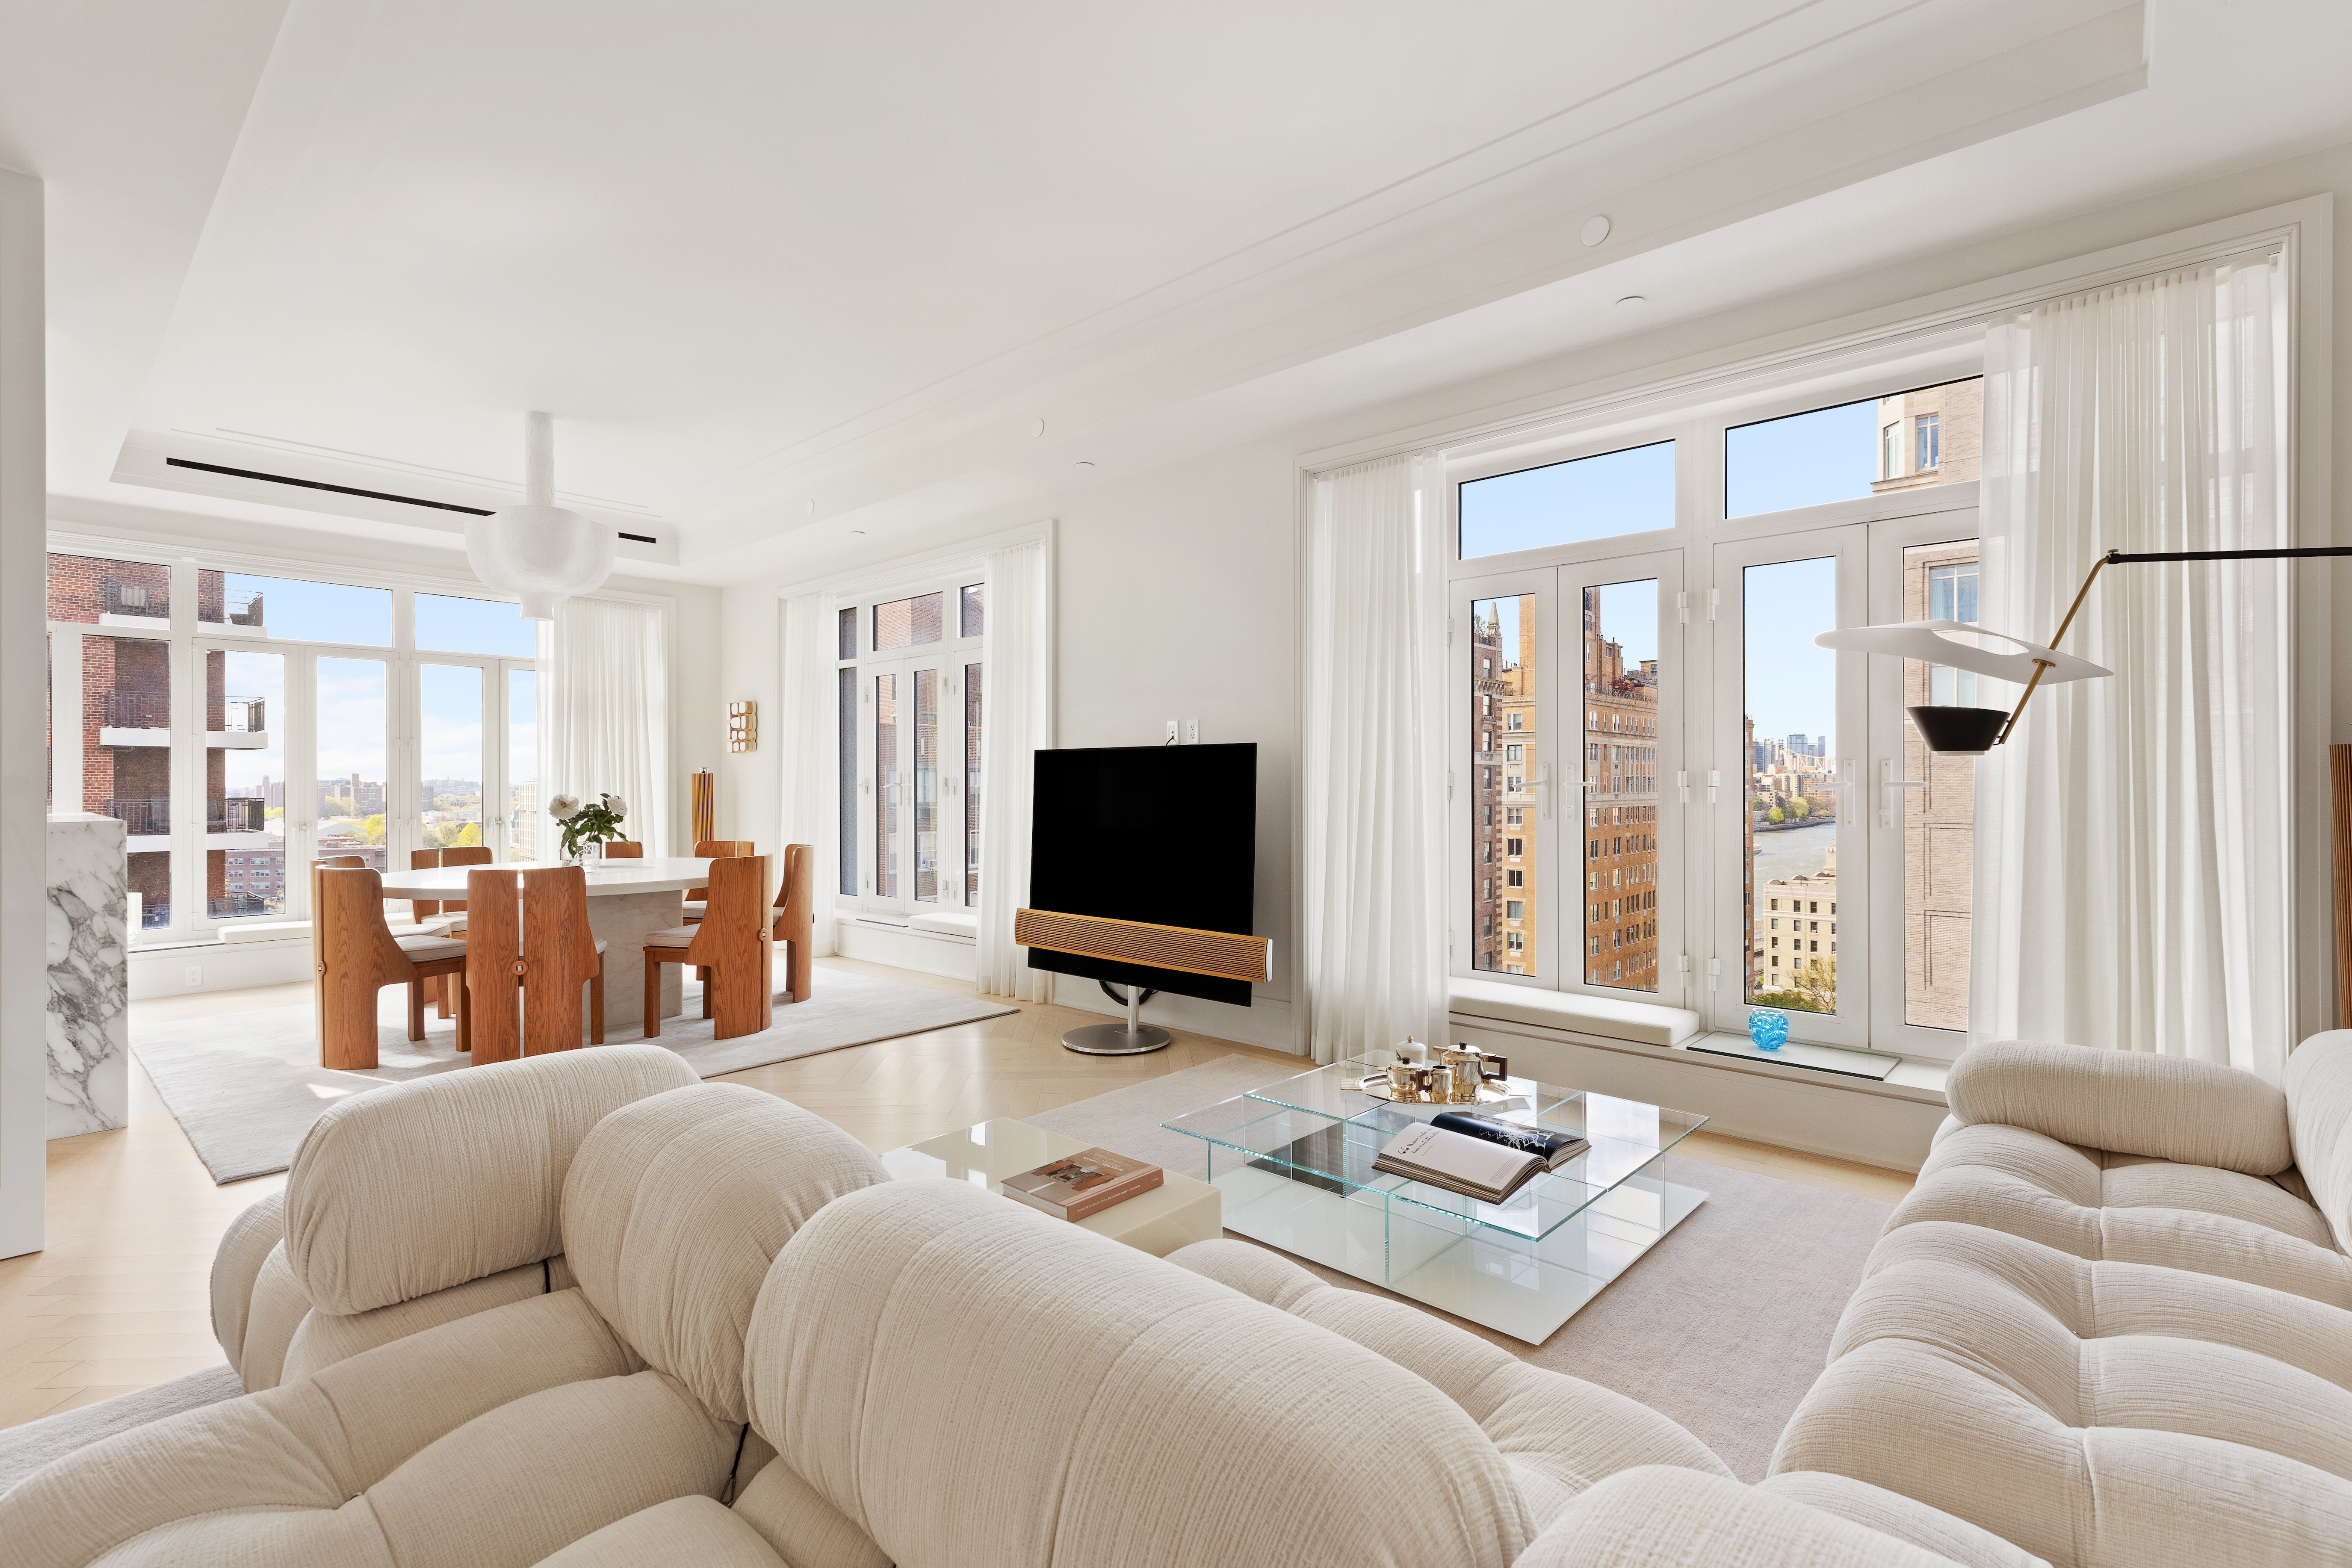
(947, 923)
(1644, 1023)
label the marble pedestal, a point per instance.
(621, 921)
(90, 975)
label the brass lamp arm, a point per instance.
(2120, 558)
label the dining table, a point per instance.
(627, 900)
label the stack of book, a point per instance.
(1476, 1157)
(1083, 1184)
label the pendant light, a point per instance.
(538, 551)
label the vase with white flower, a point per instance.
(587, 828)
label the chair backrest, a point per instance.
(493, 950)
(463, 855)
(737, 897)
(623, 849)
(720, 849)
(559, 955)
(340, 862)
(796, 894)
(349, 939)
(423, 909)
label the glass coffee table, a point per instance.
(1294, 1159)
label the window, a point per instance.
(909, 623)
(1514, 909)
(1939, 582)
(190, 678)
(449, 624)
(910, 701)
(1828, 454)
(1620, 686)
(297, 610)
(1612, 493)
(1513, 720)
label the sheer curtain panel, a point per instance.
(1374, 949)
(807, 684)
(1019, 725)
(2135, 864)
(607, 723)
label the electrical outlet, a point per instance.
(1191, 732)
(193, 974)
(1171, 731)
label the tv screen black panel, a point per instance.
(1166, 835)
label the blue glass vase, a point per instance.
(1768, 1027)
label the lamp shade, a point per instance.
(1941, 642)
(540, 553)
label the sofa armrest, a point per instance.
(250, 1238)
(1663, 1517)
(2128, 1102)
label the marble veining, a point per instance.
(90, 976)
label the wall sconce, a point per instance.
(743, 726)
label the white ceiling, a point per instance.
(775, 268)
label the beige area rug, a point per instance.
(1723, 1325)
(245, 1087)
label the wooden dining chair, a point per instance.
(559, 955)
(795, 919)
(623, 849)
(730, 946)
(494, 962)
(716, 848)
(453, 910)
(353, 955)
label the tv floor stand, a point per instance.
(1132, 1038)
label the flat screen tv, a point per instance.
(1165, 835)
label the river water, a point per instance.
(1797, 852)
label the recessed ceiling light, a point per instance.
(1085, 464)
(1596, 229)
(811, 506)
(858, 531)
(1037, 429)
(1632, 301)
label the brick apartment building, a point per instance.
(126, 729)
(1620, 811)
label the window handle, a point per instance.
(1887, 785)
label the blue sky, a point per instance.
(1804, 459)
(351, 708)
(1792, 684)
(1563, 504)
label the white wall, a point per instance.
(24, 829)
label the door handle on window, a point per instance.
(1887, 785)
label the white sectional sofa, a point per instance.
(2113, 1322)
(743, 1346)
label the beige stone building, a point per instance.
(1795, 944)
(1931, 436)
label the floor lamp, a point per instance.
(1972, 731)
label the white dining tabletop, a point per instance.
(665, 874)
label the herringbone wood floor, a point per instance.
(119, 1301)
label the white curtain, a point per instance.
(605, 723)
(1374, 947)
(2134, 851)
(807, 698)
(1016, 722)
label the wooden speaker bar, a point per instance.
(1223, 955)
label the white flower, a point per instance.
(617, 806)
(563, 807)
